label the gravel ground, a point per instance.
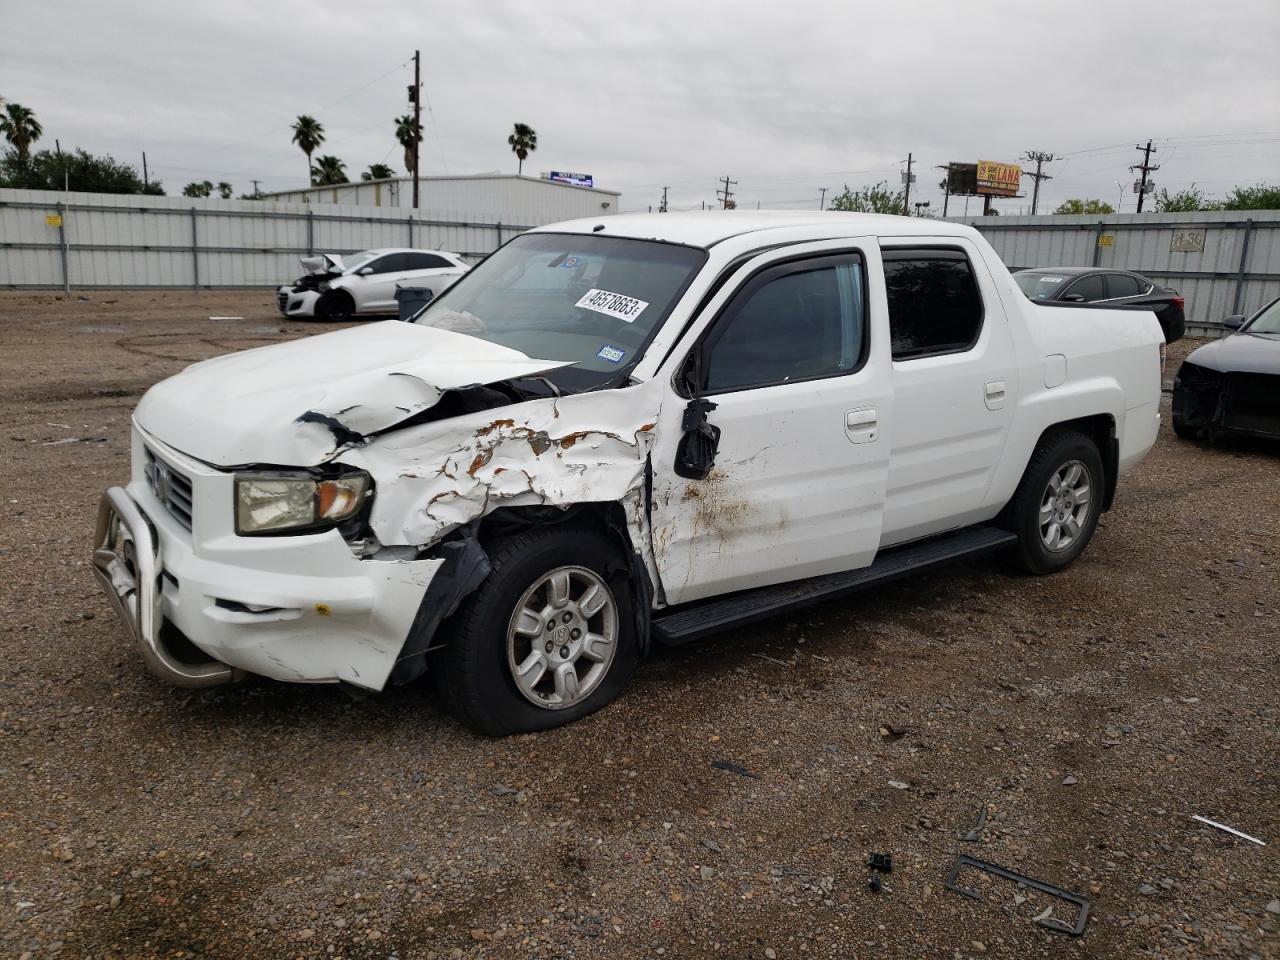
(1090, 714)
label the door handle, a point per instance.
(862, 426)
(994, 394)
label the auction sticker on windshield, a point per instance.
(612, 304)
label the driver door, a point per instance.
(378, 287)
(794, 361)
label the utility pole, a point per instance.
(1146, 166)
(726, 195)
(822, 201)
(415, 95)
(256, 192)
(946, 187)
(1040, 159)
(906, 190)
(145, 182)
(662, 207)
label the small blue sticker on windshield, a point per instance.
(612, 354)
(570, 263)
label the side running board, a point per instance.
(682, 624)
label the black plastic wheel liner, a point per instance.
(466, 564)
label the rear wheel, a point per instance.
(548, 638)
(1056, 507)
(334, 306)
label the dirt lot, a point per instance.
(1090, 714)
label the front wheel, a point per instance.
(1056, 507)
(335, 306)
(548, 638)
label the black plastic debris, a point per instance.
(879, 863)
(1044, 919)
(729, 767)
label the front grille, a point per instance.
(282, 298)
(171, 487)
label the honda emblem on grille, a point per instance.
(158, 478)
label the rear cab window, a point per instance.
(935, 306)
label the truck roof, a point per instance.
(705, 229)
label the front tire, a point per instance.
(335, 306)
(1056, 507)
(547, 639)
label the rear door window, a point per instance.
(934, 303)
(1124, 285)
(426, 261)
(1091, 288)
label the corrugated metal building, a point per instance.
(487, 197)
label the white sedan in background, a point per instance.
(338, 287)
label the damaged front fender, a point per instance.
(436, 477)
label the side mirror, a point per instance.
(696, 453)
(1073, 298)
(1235, 321)
(364, 271)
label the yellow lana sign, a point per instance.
(998, 179)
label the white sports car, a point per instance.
(339, 287)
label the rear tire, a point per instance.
(547, 639)
(1055, 509)
(1184, 429)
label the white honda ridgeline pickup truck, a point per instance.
(610, 434)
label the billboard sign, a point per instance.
(998, 179)
(573, 179)
(962, 179)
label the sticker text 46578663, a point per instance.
(612, 304)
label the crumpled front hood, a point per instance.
(1240, 353)
(298, 403)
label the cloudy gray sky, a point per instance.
(783, 97)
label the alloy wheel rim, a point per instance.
(562, 637)
(1065, 505)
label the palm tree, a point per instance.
(198, 188)
(378, 171)
(308, 134)
(328, 171)
(523, 140)
(20, 127)
(225, 190)
(409, 134)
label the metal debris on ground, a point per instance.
(729, 767)
(1231, 830)
(1044, 919)
(972, 835)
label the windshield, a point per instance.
(1267, 320)
(357, 260)
(1038, 284)
(590, 300)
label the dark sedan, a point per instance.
(1232, 385)
(1091, 285)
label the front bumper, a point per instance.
(295, 608)
(293, 303)
(1241, 404)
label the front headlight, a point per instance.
(269, 503)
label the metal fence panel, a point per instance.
(108, 241)
(1230, 262)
